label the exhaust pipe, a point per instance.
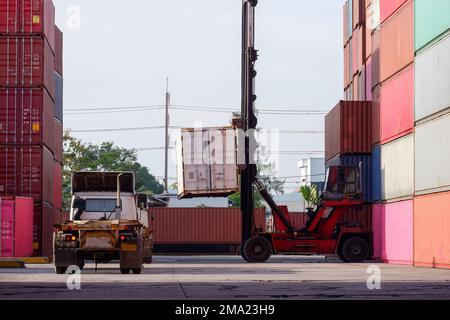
(118, 208)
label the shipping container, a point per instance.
(345, 23)
(431, 230)
(362, 84)
(397, 169)
(207, 162)
(26, 171)
(200, 225)
(348, 128)
(393, 232)
(432, 154)
(16, 227)
(432, 83)
(432, 19)
(26, 62)
(376, 129)
(28, 17)
(397, 106)
(58, 141)
(59, 51)
(57, 185)
(355, 89)
(376, 174)
(358, 45)
(360, 216)
(26, 116)
(388, 7)
(350, 18)
(43, 221)
(368, 38)
(368, 68)
(59, 94)
(375, 58)
(397, 42)
(373, 14)
(346, 66)
(365, 163)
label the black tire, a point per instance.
(257, 250)
(355, 249)
(137, 270)
(60, 270)
(124, 271)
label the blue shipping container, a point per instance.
(376, 174)
(366, 170)
(58, 112)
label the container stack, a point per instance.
(28, 139)
(432, 132)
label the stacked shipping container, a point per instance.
(30, 137)
(432, 129)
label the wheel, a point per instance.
(355, 249)
(137, 270)
(60, 270)
(125, 271)
(257, 250)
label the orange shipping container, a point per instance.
(397, 42)
(200, 225)
(432, 230)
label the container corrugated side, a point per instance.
(59, 50)
(375, 58)
(431, 20)
(376, 174)
(59, 95)
(358, 216)
(431, 230)
(397, 169)
(432, 154)
(377, 216)
(397, 42)
(388, 7)
(43, 221)
(57, 185)
(432, 79)
(397, 106)
(366, 170)
(58, 140)
(376, 128)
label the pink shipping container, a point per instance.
(397, 42)
(376, 129)
(397, 106)
(369, 79)
(388, 7)
(393, 232)
(57, 185)
(43, 221)
(28, 17)
(348, 129)
(16, 227)
(26, 117)
(58, 51)
(26, 62)
(375, 58)
(26, 171)
(200, 225)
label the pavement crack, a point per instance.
(182, 289)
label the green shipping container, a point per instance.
(432, 18)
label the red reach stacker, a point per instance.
(322, 234)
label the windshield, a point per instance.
(100, 205)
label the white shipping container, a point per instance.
(432, 79)
(432, 154)
(206, 162)
(397, 169)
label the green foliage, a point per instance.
(310, 195)
(79, 156)
(236, 198)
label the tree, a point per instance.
(79, 156)
(310, 195)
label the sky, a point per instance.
(119, 53)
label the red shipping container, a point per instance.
(57, 185)
(16, 227)
(357, 217)
(376, 129)
(26, 171)
(376, 58)
(388, 7)
(58, 51)
(27, 62)
(27, 117)
(397, 42)
(28, 17)
(348, 129)
(397, 106)
(200, 225)
(43, 221)
(58, 140)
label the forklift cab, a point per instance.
(343, 182)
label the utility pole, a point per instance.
(166, 182)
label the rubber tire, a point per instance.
(251, 244)
(137, 270)
(60, 270)
(349, 247)
(125, 271)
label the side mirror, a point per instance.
(142, 201)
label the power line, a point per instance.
(123, 129)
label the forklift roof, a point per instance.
(102, 181)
